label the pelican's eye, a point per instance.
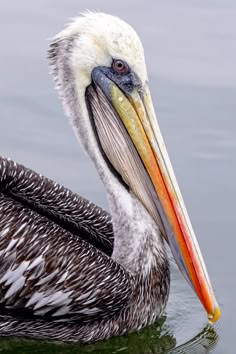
(120, 67)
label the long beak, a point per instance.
(138, 116)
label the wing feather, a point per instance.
(63, 207)
(49, 273)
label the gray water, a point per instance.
(190, 50)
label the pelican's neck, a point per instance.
(138, 245)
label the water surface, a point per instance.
(190, 50)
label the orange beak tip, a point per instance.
(215, 316)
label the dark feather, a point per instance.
(57, 279)
(58, 204)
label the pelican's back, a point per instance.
(22, 188)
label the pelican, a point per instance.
(68, 270)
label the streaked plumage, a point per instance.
(68, 270)
(47, 235)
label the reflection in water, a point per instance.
(201, 344)
(154, 339)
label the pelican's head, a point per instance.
(99, 67)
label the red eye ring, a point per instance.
(120, 66)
